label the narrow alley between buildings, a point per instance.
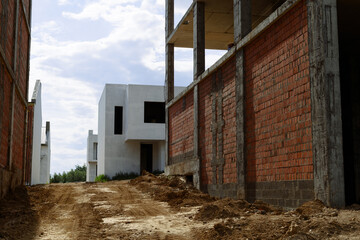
(151, 207)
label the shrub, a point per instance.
(125, 176)
(102, 178)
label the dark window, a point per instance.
(154, 112)
(95, 151)
(118, 126)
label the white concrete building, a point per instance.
(91, 155)
(131, 129)
(40, 164)
(45, 154)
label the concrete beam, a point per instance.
(326, 102)
(199, 38)
(242, 26)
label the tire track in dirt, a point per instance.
(65, 212)
(141, 217)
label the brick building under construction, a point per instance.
(15, 129)
(277, 118)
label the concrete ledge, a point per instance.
(190, 167)
(183, 168)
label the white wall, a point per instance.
(121, 153)
(91, 159)
(91, 171)
(45, 154)
(101, 133)
(36, 148)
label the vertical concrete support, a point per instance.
(326, 102)
(169, 69)
(242, 26)
(199, 67)
(196, 176)
(16, 35)
(217, 124)
(11, 129)
(199, 38)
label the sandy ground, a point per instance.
(152, 207)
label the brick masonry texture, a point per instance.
(206, 95)
(181, 129)
(14, 67)
(278, 137)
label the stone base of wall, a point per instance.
(221, 190)
(189, 167)
(288, 194)
(9, 180)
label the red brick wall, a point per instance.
(19, 50)
(205, 137)
(5, 116)
(29, 144)
(277, 100)
(227, 76)
(181, 127)
(278, 140)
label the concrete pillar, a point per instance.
(199, 68)
(326, 102)
(169, 51)
(242, 26)
(169, 69)
(199, 38)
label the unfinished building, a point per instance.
(131, 129)
(277, 118)
(15, 19)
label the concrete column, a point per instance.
(199, 68)
(169, 69)
(169, 51)
(242, 26)
(326, 102)
(199, 38)
(196, 176)
(15, 47)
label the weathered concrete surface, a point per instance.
(242, 26)
(191, 167)
(326, 102)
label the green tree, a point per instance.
(74, 175)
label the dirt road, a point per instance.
(160, 208)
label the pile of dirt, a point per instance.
(223, 208)
(171, 189)
(229, 208)
(310, 208)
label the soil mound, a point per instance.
(311, 208)
(171, 189)
(223, 208)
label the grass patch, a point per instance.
(102, 178)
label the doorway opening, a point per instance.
(146, 157)
(349, 50)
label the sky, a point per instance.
(78, 46)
